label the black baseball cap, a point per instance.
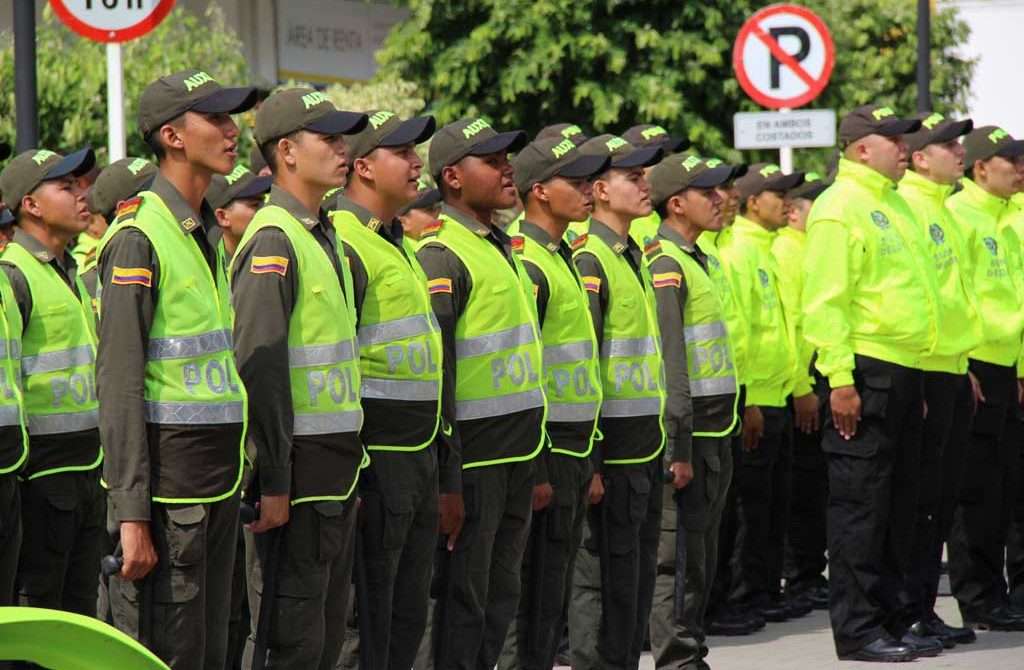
(427, 199)
(812, 186)
(623, 154)
(189, 90)
(543, 159)
(256, 160)
(469, 137)
(385, 129)
(569, 131)
(987, 141)
(6, 217)
(874, 120)
(648, 135)
(237, 184)
(287, 111)
(937, 129)
(762, 177)
(30, 168)
(679, 172)
(119, 181)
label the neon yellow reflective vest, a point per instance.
(224, 288)
(323, 355)
(645, 228)
(708, 350)
(84, 252)
(58, 355)
(994, 254)
(571, 369)
(399, 338)
(190, 371)
(12, 409)
(959, 321)
(869, 282)
(736, 321)
(498, 352)
(632, 373)
(753, 275)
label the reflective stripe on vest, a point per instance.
(70, 422)
(198, 413)
(400, 389)
(190, 346)
(467, 410)
(634, 346)
(12, 410)
(617, 408)
(51, 361)
(493, 342)
(328, 423)
(10, 415)
(397, 329)
(321, 354)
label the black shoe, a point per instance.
(797, 606)
(936, 627)
(925, 629)
(772, 610)
(731, 623)
(924, 646)
(882, 650)
(999, 618)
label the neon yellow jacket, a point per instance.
(994, 253)
(959, 321)
(753, 277)
(736, 321)
(869, 287)
(788, 248)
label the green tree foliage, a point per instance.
(384, 92)
(72, 75)
(608, 64)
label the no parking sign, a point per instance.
(783, 56)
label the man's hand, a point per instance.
(807, 416)
(596, 489)
(451, 516)
(753, 427)
(845, 402)
(137, 550)
(682, 473)
(542, 495)
(272, 512)
(976, 395)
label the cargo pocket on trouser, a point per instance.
(186, 555)
(699, 494)
(60, 522)
(872, 429)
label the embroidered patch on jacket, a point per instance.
(126, 209)
(578, 241)
(431, 229)
(518, 244)
(262, 265)
(663, 279)
(652, 247)
(439, 285)
(128, 276)
(592, 284)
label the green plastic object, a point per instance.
(65, 641)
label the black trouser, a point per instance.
(681, 646)
(871, 506)
(533, 641)
(399, 492)
(482, 594)
(988, 494)
(189, 594)
(1015, 541)
(63, 521)
(949, 401)
(761, 480)
(10, 535)
(806, 531)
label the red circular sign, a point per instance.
(774, 77)
(111, 20)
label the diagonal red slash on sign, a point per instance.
(783, 57)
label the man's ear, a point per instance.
(222, 217)
(286, 152)
(30, 205)
(170, 136)
(452, 177)
(600, 190)
(539, 193)
(676, 205)
(363, 168)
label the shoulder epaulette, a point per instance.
(126, 209)
(652, 247)
(578, 242)
(518, 244)
(431, 230)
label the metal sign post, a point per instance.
(115, 102)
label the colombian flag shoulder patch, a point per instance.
(432, 229)
(439, 285)
(664, 279)
(262, 265)
(127, 208)
(129, 276)
(578, 242)
(592, 284)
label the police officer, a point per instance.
(982, 211)
(804, 560)
(553, 179)
(400, 361)
(121, 180)
(937, 163)
(649, 135)
(870, 312)
(762, 475)
(701, 403)
(482, 298)
(172, 413)
(564, 131)
(62, 502)
(615, 569)
(295, 341)
(420, 213)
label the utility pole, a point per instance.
(26, 101)
(924, 55)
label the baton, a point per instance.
(679, 582)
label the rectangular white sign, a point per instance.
(774, 130)
(325, 41)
